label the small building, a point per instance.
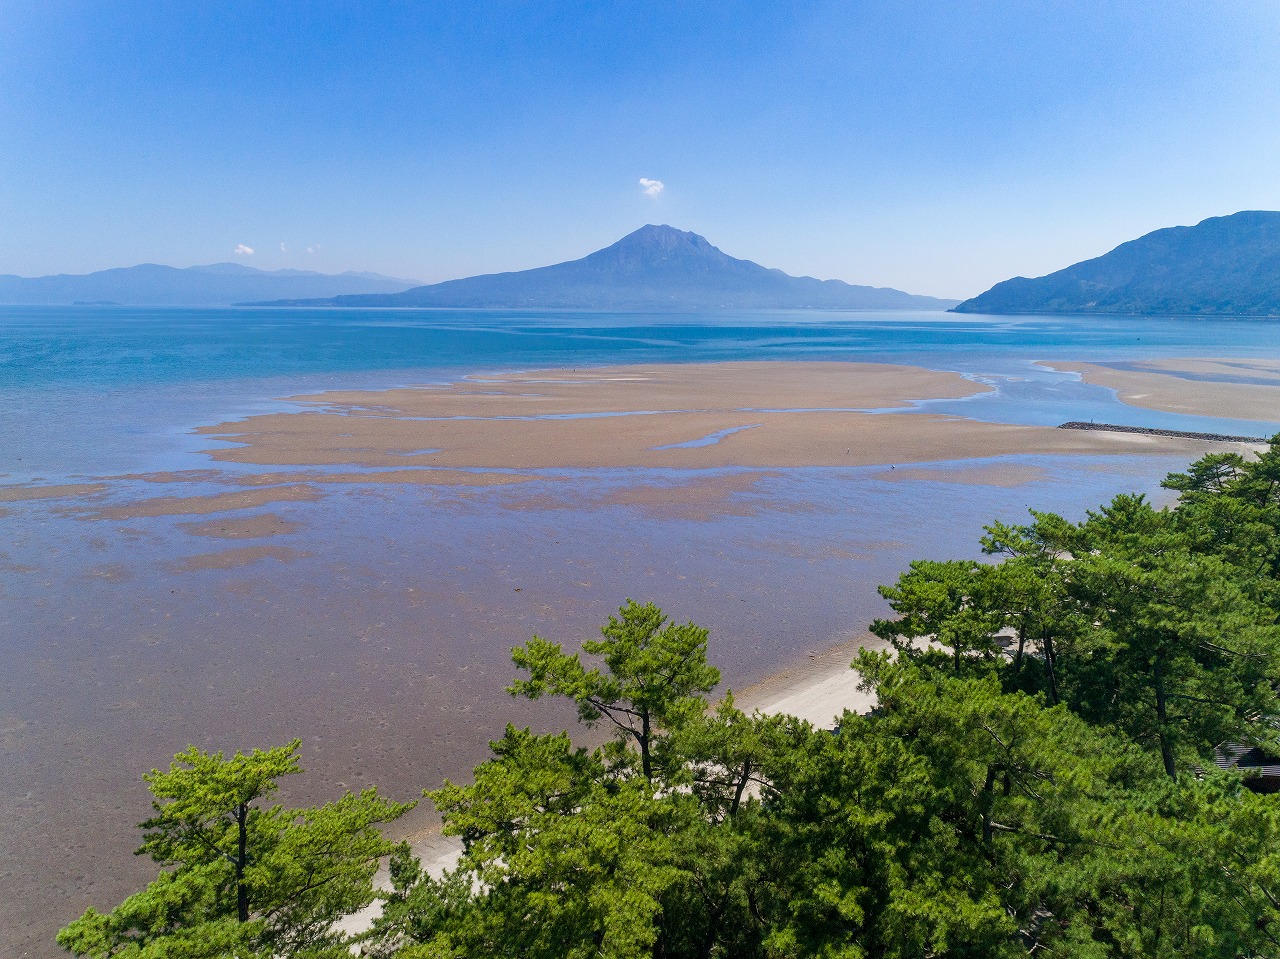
(1261, 770)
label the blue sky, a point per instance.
(932, 146)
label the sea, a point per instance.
(88, 390)
(377, 624)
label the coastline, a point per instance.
(378, 622)
(764, 415)
(1242, 389)
(816, 689)
(548, 426)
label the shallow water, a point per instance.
(97, 390)
(377, 621)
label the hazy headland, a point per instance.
(1222, 266)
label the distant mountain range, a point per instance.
(654, 268)
(220, 284)
(1227, 265)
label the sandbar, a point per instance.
(703, 498)
(420, 476)
(234, 558)
(415, 477)
(757, 415)
(242, 527)
(670, 387)
(19, 494)
(215, 503)
(1154, 384)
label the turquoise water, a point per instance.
(377, 622)
(101, 390)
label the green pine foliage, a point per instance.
(242, 878)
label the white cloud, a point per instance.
(282, 248)
(242, 250)
(651, 187)
(313, 248)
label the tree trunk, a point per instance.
(988, 801)
(742, 786)
(242, 859)
(645, 764)
(1166, 748)
(1051, 660)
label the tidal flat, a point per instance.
(349, 556)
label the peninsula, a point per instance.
(153, 284)
(1223, 266)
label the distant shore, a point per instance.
(508, 429)
(754, 415)
(1243, 389)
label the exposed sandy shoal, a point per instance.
(19, 494)
(419, 476)
(215, 503)
(242, 527)
(703, 498)
(811, 425)
(486, 431)
(1153, 386)
(1254, 369)
(234, 558)
(697, 386)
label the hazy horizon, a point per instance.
(936, 150)
(305, 269)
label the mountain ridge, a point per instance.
(656, 267)
(214, 284)
(1222, 266)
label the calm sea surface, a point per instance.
(377, 624)
(91, 390)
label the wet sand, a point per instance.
(756, 415)
(26, 492)
(258, 526)
(685, 386)
(217, 503)
(233, 558)
(1235, 389)
(378, 622)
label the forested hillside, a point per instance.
(1222, 266)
